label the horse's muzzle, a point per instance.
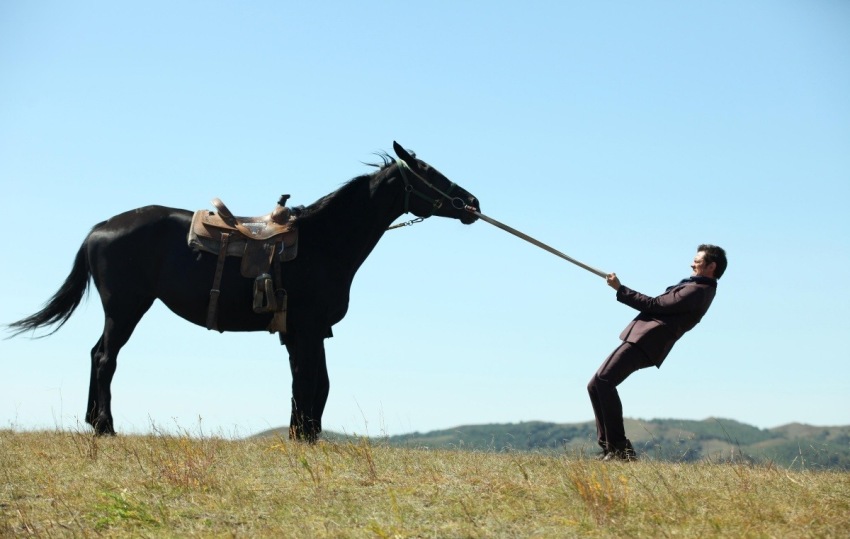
(469, 208)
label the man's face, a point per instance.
(701, 268)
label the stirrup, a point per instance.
(264, 296)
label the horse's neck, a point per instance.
(357, 217)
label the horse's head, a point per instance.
(427, 192)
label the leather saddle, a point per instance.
(262, 243)
(253, 239)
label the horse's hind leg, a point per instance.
(104, 360)
(91, 412)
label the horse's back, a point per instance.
(132, 245)
(141, 228)
(139, 219)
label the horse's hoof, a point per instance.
(298, 435)
(103, 427)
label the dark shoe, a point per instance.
(625, 453)
(625, 456)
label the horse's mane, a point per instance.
(304, 213)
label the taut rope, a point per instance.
(459, 204)
(533, 241)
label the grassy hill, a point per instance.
(671, 440)
(72, 484)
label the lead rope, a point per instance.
(533, 241)
(458, 203)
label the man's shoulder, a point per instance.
(698, 287)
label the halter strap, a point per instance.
(404, 168)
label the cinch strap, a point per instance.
(212, 318)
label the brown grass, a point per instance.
(58, 484)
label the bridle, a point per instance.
(436, 203)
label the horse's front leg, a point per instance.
(323, 385)
(310, 386)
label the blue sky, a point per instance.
(623, 134)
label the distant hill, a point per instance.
(676, 440)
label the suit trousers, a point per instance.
(607, 408)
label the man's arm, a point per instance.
(681, 299)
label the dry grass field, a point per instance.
(71, 484)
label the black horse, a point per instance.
(142, 255)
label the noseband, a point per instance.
(436, 203)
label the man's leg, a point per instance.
(605, 400)
(598, 413)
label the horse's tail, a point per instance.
(63, 303)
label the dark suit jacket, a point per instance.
(664, 319)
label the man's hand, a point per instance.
(613, 281)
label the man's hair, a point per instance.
(714, 254)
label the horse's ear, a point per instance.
(402, 153)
